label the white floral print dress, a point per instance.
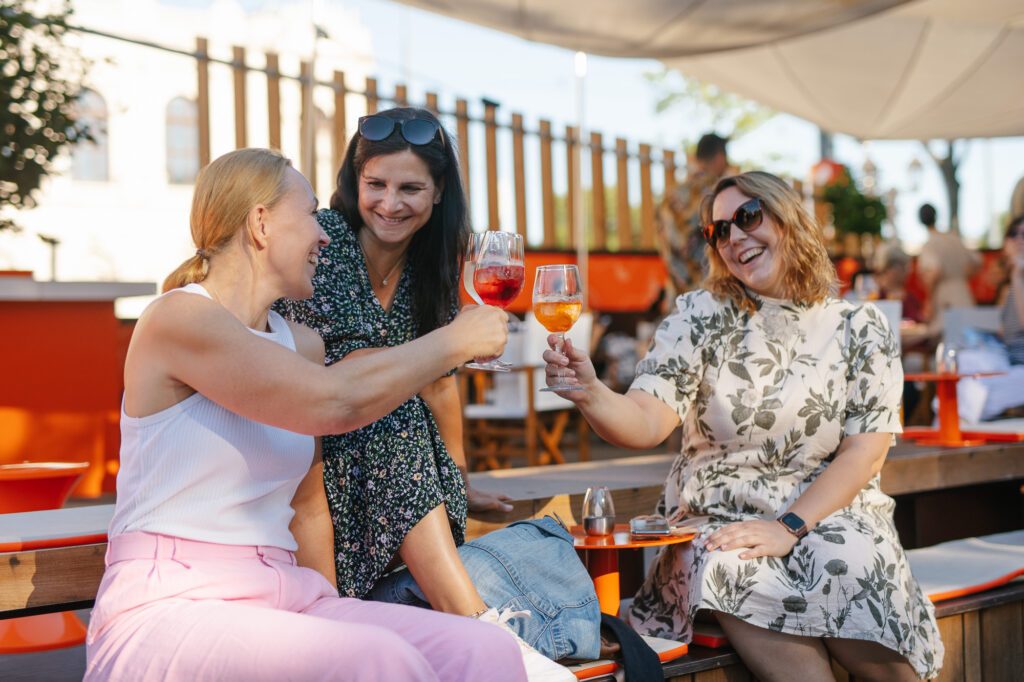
(765, 400)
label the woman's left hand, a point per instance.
(762, 538)
(480, 501)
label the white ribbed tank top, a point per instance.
(199, 471)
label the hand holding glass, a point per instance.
(496, 263)
(557, 304)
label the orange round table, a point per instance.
(601, 556)
(34, 487)
(949, 434)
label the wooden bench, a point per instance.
(41, 571)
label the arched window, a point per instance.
(182, 141)
(89, 158)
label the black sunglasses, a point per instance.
(747, 217)
(417, 131)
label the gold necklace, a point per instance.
(384, 279)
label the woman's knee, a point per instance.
(489, 652)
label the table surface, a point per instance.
(947, 376)
(47, 470)
(621, 539)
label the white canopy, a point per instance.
(870, 68)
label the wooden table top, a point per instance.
(620, 538)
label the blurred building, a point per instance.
(120, 205)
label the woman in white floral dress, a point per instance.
(788, 399)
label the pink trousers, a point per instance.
(175, 609)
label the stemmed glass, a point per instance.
(557, 304)
(497, 277)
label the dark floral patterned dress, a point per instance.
(765, 400)
(383, 478)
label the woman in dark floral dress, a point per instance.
(788, 399)
(398, 229)
(396, 488)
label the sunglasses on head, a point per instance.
(417, 131)
(747, 217)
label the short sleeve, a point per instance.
(674, 366)
(875, 377)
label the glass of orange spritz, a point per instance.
(557, 304)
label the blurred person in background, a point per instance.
(678, 225)
(892, 266)
(945, 265)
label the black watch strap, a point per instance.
(794, 524)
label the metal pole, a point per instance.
(579, 224)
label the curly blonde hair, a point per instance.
(809, 275)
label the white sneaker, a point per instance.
(539, 668)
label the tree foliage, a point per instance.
(852, 210)
(729, 114)
(39, 81)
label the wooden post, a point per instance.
(203, 100)
(462, 132)
(307, 128)
(570, 192)
(239, 72)
(401, 95)
(491, 153)
(646, 199)
(372, 99)
(624, 227)
(547, 181)
(668, 160)
(600, 238)
(273, 100)
(340, 137)
(520, 173)
(431, 102)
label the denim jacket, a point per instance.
(529, 565)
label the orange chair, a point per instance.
(34, 487)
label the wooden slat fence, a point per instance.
(626, 226)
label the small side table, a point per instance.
(601, 556)
(949, 434)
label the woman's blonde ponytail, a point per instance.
(191, 270)
(225, 192)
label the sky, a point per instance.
(431, 52)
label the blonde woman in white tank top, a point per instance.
(222, 400)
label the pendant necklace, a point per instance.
(383, 280)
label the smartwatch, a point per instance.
(794, 524)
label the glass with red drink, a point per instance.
(498, 277)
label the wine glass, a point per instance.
(498, 276)
(946, 360)
(866, 288)
(598, 511)
(557, 304)
(469, 265)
